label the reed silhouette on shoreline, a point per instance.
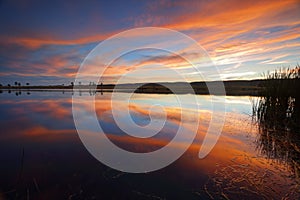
(277, 114)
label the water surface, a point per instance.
(42, 156)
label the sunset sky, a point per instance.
(44, 42)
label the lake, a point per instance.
(42, 156)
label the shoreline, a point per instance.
(232, 88)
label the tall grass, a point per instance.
(278, 117)
(282, 82)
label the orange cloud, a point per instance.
(231, 31)
(225, 28)
(37, 42)
(232, 13)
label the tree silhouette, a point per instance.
(27, 84)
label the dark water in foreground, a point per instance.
(42, 156)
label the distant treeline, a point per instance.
(234, 87)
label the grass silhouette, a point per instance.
(277, 114)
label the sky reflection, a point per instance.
(41, 126)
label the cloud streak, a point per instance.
(246, 36)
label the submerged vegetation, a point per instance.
(278, 117)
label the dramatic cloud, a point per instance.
(50, 40)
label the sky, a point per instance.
(45, 42)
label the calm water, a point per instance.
(42, 156)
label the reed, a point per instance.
(277, 114)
